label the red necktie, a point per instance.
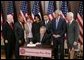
(11, 25)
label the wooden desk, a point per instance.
(38, 51)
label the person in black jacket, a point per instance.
(8, 35)
(36, 25)
(19, 35)
(42, 37)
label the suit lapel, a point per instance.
(43, 38)
(20, 26)
(9, 26)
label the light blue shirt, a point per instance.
(57, 21)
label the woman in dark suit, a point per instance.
(36, 25)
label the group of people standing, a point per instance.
(42, 31)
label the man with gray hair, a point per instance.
(42, 37)
(8, 35)
(58, 28)
(72, 33)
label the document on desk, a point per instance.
(38, 43)
(31, 45)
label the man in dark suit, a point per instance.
(8, 35)
(58, 27)
(47, 23)
(72, 33)
(42, 37)
(19, 35)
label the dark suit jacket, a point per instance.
(46, 40)
(61, 29)
(8, 33)
(36, 28)
(72, 32)
(48, 26)
(19, 32)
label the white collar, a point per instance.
(8, 22)
(71, 21)
(47, 21)
(20, 22)
(58, 18)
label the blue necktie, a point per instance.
(56, 24)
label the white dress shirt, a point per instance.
(71, 21)
(46, 22)
(41, 37)
(57, 21)
(30, 30)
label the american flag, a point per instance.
(36, 9)
(80, 21)
(24, 9)
(1, 22)
(1, 15)
(10, 10)
(51, 9)
(1, 19)
(64, 9)
(10, 7)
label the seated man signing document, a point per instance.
(42, 37)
